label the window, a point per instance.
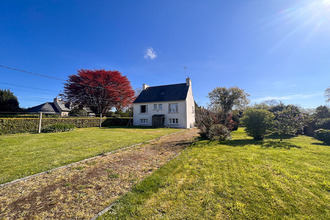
(144, 109)
(155, 106)
(173, 108)
(160, 106)
(174, 121)
(144, 121)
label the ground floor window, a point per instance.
(144, 121)
(174, 121)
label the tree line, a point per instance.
(228, 109)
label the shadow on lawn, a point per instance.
(279, 144)
(263, 144)
(241, 142)
(278, 137)
(321, 144)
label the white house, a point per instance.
(165, 106)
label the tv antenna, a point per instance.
(185, 72)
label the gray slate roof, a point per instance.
(175, 92)
(62, 104)
(47, 107)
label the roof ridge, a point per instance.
(167, 85)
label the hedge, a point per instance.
(57, 128)
(22, 125)
(323, 135)
(323, 123)
(115, 122)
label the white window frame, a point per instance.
(155, 107)
(160, 107)
(141, 109)
(144, 121)
(176, 108)
(173, 121)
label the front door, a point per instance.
(158, 121)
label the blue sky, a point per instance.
(273, 49)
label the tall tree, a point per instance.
(100, 90)
(8, 101)
(322, 112)
(327, 94)
(227, 99)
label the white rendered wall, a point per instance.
(180, 115)
(190, 106)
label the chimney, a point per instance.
(144, 86)
(188, 81)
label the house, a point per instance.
(57, 107)
(165, 106)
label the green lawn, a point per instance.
(26, 154)
(237, 179)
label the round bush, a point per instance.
(258, 122)
(323, 135)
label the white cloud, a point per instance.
(289, 97)
(150, 53)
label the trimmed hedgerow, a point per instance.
(57, 128)
(323, 135)
(22, 125)
(115, 122)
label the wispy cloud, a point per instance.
(289, 97)
(150, 53)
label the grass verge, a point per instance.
(237, 179)
(26, 154)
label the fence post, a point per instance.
(40, 119)
(100, 120)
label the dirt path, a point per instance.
(84, 189)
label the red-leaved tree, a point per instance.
(100, 90)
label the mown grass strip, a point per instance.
(242, 179)
(27, 154)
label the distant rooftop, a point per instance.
(47, 107)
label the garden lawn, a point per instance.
(26, 154)
(237, 179)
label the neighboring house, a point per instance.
(57, 107)
(165, 106)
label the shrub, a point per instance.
(258, 123)
(289, 121)
(21, 125)
(205, 119)
(323, 135)
(78, 112)
(57, 128)
(116, 122)
(219, 132)
(323, 123)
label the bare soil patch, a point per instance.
(84, 189)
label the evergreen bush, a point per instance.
(323, 135)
